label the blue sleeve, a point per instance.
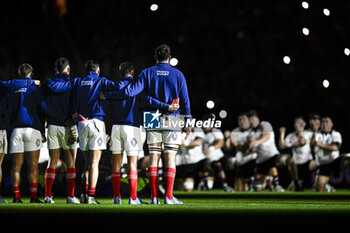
(185, 107)
(58, 87)
(149, 101)
(17, 83)
(134, 88)
(108, 85)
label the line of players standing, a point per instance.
(257, 158)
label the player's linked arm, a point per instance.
(58, 87)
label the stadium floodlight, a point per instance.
(306, 31)
(326, 12)
(154, 7)
(174, 61)
(286, 60)
(210, 104)
(325, 83)
(223, 114)
(305, 5)
(347, 51)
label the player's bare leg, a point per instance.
(321, 182)
(17, 162)
(32, 159)
(116, 166)
(293, 171)
(94, 160)
(50, 173)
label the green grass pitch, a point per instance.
(215, 204)
(215, 201)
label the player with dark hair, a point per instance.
(213, 142)
(263, 142)
(88, 110)
(126, 134)
(300, 161)
(240, 138)
(5, 88)
(27, 120)
(62, 133)
(166, 84)
(326, 144)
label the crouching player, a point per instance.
(126, 134)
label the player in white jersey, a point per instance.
(190, 160)
(263, 142)
(326, 145)
(299, 142)
(245, 158)
(212, 143)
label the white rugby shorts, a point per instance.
(164, 136)
(92, 135)
(3, 142)
(25, 140)
(64, 137)
(126, 138)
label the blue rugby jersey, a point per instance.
(27, 106)
(163, 83)
(86, 100)
(59, 105)
(128, 111)
(5, 88)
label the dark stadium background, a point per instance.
(231, 52)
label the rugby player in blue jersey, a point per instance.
(126, 133)
(165, 84)
(5, 88)
(88, 110)
(62, 132)
(26, 107)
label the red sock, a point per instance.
(132, 178)
(34, 190)
(16, 192)
(71, 174)
(169, 177)
(49, 178)
(116, 184)
(153, 181)
(91, 191)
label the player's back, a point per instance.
(60, 104)
(126, 111)
(26, 105)
(166, 83)
(87, 101)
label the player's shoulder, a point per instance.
(335, 133)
